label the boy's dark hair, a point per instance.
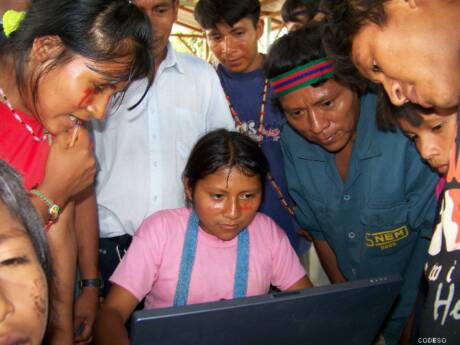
(100, 30)
(290, 8)
(389, 114)
(225, 149)
(344, 19)
(209, 13)
(300, 47)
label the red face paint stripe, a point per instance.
(88, 93)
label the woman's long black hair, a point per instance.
(100, 30)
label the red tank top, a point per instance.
(19, 149)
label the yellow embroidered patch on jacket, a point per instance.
(386, 239)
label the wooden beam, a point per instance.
(188, 35)
(188, 26)
(188, 46)
(267, 2)
(185, 9)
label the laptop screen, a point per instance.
(350, 313)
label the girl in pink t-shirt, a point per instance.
(220, 249)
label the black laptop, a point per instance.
(350, 314)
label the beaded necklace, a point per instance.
(260, 138)
(20, 120)
(239, 123)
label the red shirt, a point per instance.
(20, 149)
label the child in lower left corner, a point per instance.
(223, 182)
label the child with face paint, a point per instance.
(25, 270)
(61, 62)
(224, 183)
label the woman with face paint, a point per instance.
(25, 270)
(363, 194)
(223, 182)
(61, 62)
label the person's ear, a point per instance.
(46, 47)
(260, 28)
(187, 189)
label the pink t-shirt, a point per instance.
(150, 268)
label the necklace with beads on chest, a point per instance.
(259, 139)
(18, 117)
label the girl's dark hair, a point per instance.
(289, 8)
(389, 114)
(300, 47)
(14, 197)
(344, 19)
(224, 149)
(100, 30)
(208, 13)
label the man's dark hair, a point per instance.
(300, 47)
(344, 19)
(208, 13)
(289, 11)
(389, 114)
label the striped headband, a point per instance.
(302, 76)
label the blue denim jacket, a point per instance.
(379, 221)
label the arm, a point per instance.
(110, 323)
(86, 228)
(288, 274)
(329, 261)
(302, 283)
(68, 171)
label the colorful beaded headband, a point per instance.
(11, 20)
(302, 76)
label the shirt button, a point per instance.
(155, 164)
(353, 270)
(351, 235)
(155, 198)
(346, 197)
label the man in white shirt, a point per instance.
(141, 152)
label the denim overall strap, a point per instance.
(188, 257)
(242, 263)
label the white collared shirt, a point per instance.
(141, 153)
